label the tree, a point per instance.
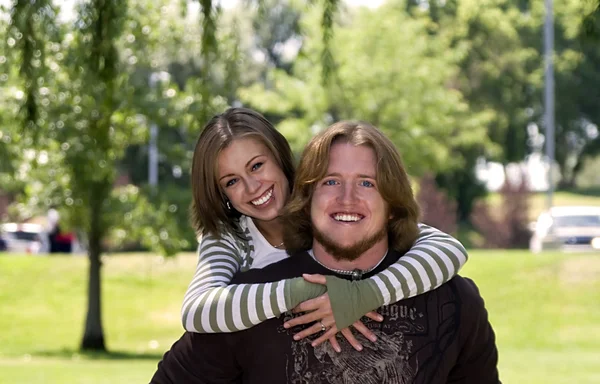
(495, 78)
(211, 11)
(85, 85)
(85, 103)
(577, 96)
(92, 164)
(399, 82)
(87, 136)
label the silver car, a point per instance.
(568, 229)
(24, 238)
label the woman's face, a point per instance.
(252, 180)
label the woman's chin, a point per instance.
(266, 216)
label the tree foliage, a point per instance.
(398, 82)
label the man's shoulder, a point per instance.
(466, 291)
(466, 287)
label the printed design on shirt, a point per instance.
(414, 346)
(402, 318)
(385, 361)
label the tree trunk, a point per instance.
(93, 337)
(567, 177)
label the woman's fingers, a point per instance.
(327, 335)
(374, 316)
(312, 330)
(366, 332)
(321, 302)
(330, 333)
(334, 344)
(316, 279)
(310, 317)
(351, 339)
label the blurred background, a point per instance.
(493, 104)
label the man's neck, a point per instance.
(368, 260)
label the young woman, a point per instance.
(242, 173)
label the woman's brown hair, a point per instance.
(392, 181)
(209, 212)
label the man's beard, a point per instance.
(352, 252)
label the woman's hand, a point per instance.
(318, 311)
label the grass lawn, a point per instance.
(544, 309)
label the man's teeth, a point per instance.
(346, 217)
(264, 199)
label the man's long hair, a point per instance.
(392, 182)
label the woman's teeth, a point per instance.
(266, 197)
(346, 217)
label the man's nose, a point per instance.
(348, 193)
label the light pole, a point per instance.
(549, 94)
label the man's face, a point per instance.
(348, 214)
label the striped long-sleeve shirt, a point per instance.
(211, 305)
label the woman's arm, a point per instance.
(211, 305)
(435, 258)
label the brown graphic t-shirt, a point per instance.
(442, 336)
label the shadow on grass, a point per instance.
(110, 355)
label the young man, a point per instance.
(352, 214)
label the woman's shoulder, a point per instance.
(236, 231)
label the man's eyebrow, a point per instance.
(363, 176)
(247, 164)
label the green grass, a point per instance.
(544, 309)
(42, 302)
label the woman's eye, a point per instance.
(367, 183)
(230, 183)
(330, 182)
(257, 166)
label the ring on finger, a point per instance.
(323, 327)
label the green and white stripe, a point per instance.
(211, 305)
(433, 260)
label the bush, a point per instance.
(510, 230)
(438, 210)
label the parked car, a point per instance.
(24, 238)
(568, 229)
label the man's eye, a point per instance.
(330, 182)
(230, 183)
(367, 183)
(257, 166)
